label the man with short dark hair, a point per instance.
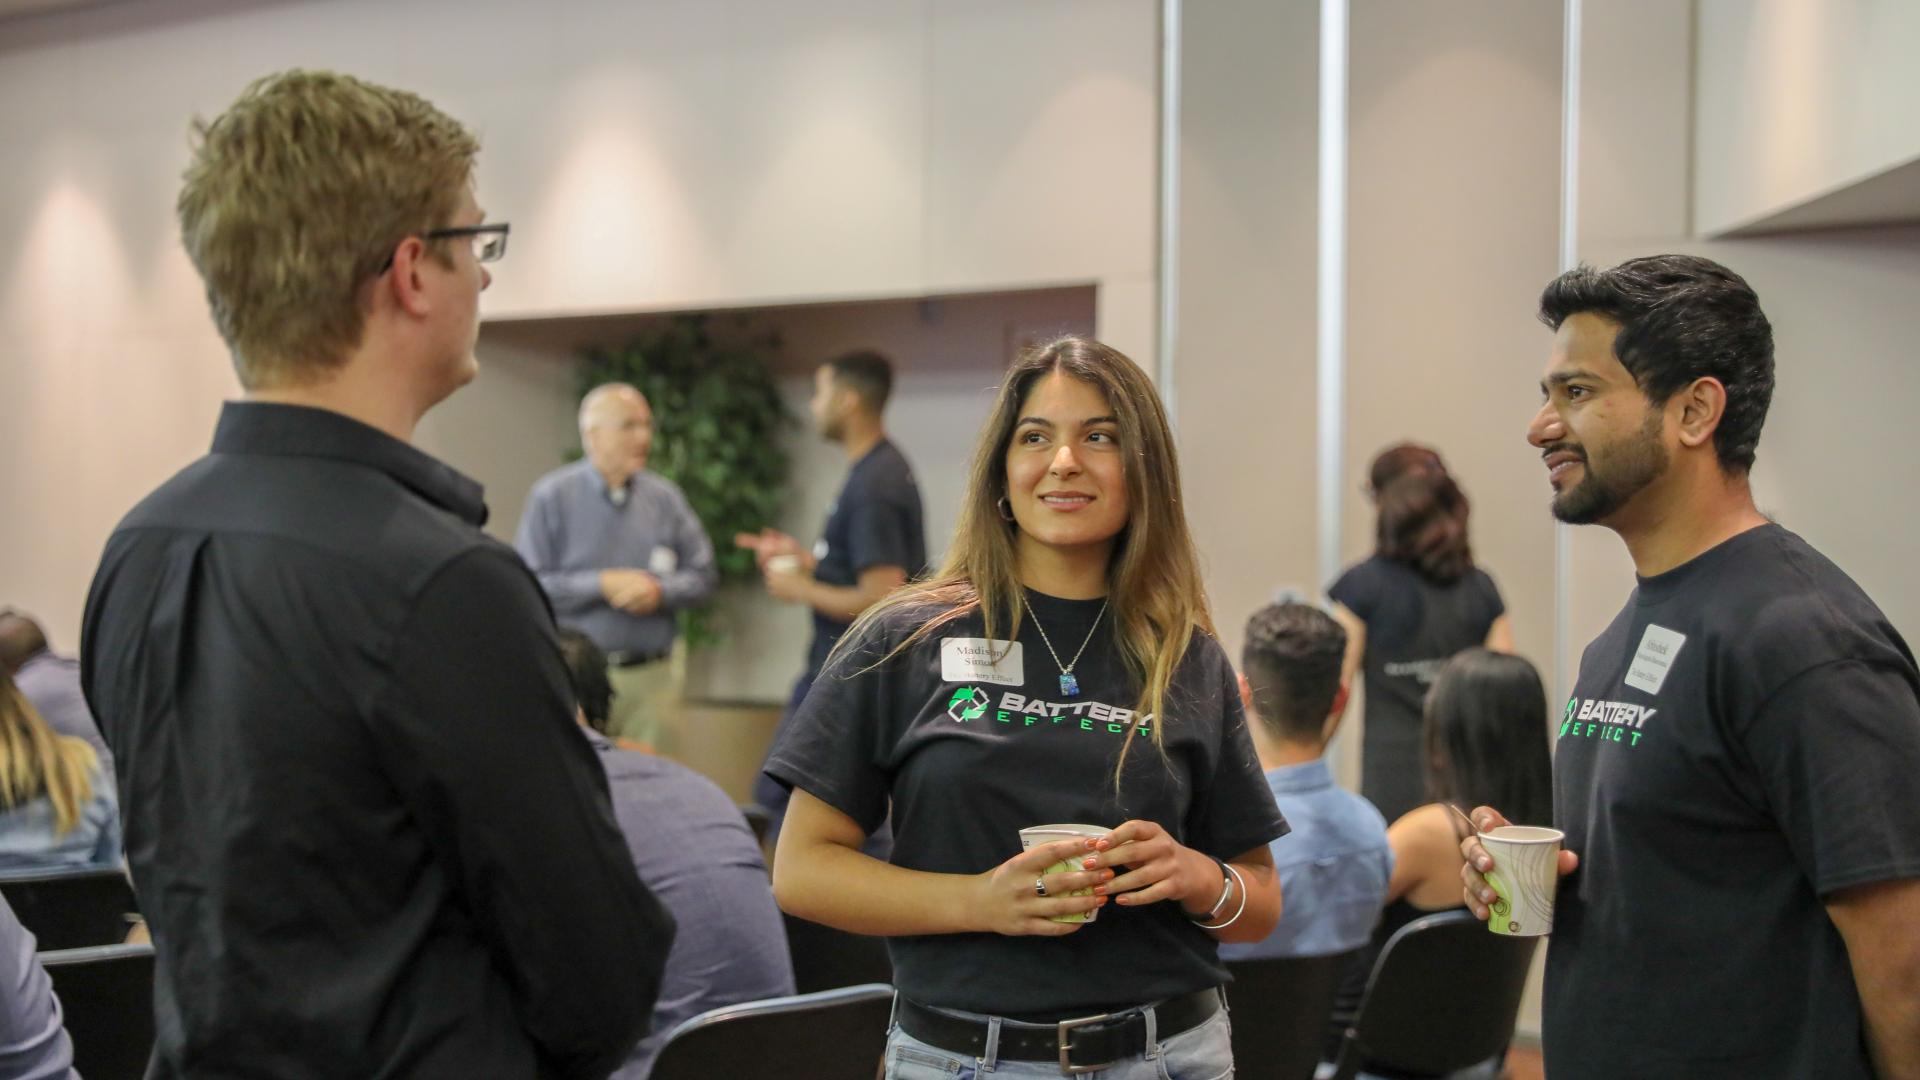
(1735, 768)
(49, 681)
(874, 539)
(695, 851)
(343, 729)
(1335, 864)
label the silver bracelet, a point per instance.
(1237, 911)
(1226, 893)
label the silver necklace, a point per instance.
(1069, 685)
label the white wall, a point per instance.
(1796, 98)
(1453, 206)
(1245, 357)
(1839, 300)
(652, 155)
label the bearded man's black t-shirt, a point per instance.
(974, 740)
(1743, 740)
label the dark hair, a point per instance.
(1486, 737)
(21, 639)
(868, 374)
(1292, 660)
(587, 669)
(1398, 460)
(1681, 318)
(1423, 523)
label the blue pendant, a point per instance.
(1069, 685)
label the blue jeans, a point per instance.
(1201, 1053)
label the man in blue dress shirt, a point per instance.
(695, 852)
(1335, 863)
(619, 552)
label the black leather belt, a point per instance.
(635, 659)
(1081, 1045)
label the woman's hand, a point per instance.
(1158, 867)
(1004, 900)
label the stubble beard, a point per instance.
(1632, 464)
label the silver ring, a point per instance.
(1040, 886)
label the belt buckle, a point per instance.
(1065, 1028)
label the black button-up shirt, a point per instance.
(369, 837)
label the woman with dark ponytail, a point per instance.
(1407, 610)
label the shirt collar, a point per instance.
(270, 428)
(1301, 778)
(617, 494)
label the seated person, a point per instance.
(1484, 734)
(58, 807)
(1334, 865)
(694, 851)
(48, 680)
(33, 1042)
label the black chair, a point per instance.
(106, 994)
(72, 909)
(1280, 1009)
(759, 819)
(1443, 996)
(827, 959)
(831, 1035)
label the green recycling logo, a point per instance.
(968, 703)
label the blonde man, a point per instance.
(342, 722)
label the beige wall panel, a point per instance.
(1245, 365)
(1041, 142)
(1795, 98)
(1454, 209)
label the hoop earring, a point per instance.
(1005, 507)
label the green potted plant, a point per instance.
(717, 416)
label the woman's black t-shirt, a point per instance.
(1413, 628)
(973, 741)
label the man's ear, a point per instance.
(1246, 693)
(1338, 710)
(405, 281)
(1701, 405)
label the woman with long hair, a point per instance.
(1483, 735)
(1060, 667)
(57, 804)
(1409, 608)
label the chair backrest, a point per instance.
(106, 994)
(72, 909)
(759, 819)
(1443, 995)
(825, 958)
(830, 1035)
(1280, 1009)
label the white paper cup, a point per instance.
(784, 564)
(1526, 874)
(1047, 834)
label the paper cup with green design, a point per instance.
(1047, 834)
(1526, 873)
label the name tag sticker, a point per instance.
(971, 659)
(1659, 647)
(664, 560)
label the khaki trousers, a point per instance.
(646, 701)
